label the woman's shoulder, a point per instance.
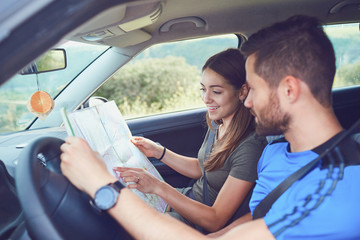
(254, 139)
(253, 144)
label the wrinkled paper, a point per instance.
(106, 131)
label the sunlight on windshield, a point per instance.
(16, 92)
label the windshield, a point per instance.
(15, 93)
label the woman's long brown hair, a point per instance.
(231, 65)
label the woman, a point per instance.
(230, 168)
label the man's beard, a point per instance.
(272, 120)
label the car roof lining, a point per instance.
(244, 18)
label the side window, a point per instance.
(346, 41)
(163, 78)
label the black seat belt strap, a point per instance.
(208, 148)
(264, 206)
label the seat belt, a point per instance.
(264, 206)
(208, 148)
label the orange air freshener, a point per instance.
(40, 104)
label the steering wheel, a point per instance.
(53, 207)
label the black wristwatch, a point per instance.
(106, 196)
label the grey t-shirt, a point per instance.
(241, 164)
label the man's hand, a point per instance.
(82, 166)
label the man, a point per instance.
(290, 68)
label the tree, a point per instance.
(348, 75)
(154, 85)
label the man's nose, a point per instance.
(248, 101)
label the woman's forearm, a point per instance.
(186, 166)
(196, 212)
(211, 218)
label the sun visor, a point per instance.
(118, 26)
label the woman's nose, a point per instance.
(206, 97)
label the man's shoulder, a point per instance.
(346, 153)
(278, 144)
(274, 150)
(254, 139)
(276, 139)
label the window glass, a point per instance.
(164, 77)
(16, 92)
(346, 42)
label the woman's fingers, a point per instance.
(126, 169)
(137, 178)
(147, 146)
(137, 140)
(133, 186)
(130, 174)
(134, 179)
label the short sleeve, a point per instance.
(245, 157)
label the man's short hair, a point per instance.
(297, 47)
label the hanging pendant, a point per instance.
(40, 104)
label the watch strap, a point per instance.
(117, 186)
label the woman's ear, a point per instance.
(244, 90)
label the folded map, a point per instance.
(106, 131)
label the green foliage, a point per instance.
(195, 51)
(348, 75)
(149, 86)
(51, 60)
(9, 119)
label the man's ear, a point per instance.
(290, 88)
(244, 90)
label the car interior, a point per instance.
(38, 202)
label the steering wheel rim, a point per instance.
(53, 207)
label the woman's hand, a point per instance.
(139, 178)
(82, 166)
(148, 147)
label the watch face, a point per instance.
(105, 197)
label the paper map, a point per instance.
(106, 131)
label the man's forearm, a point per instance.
(237, 222)
(143, 222)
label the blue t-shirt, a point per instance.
(297, 216)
